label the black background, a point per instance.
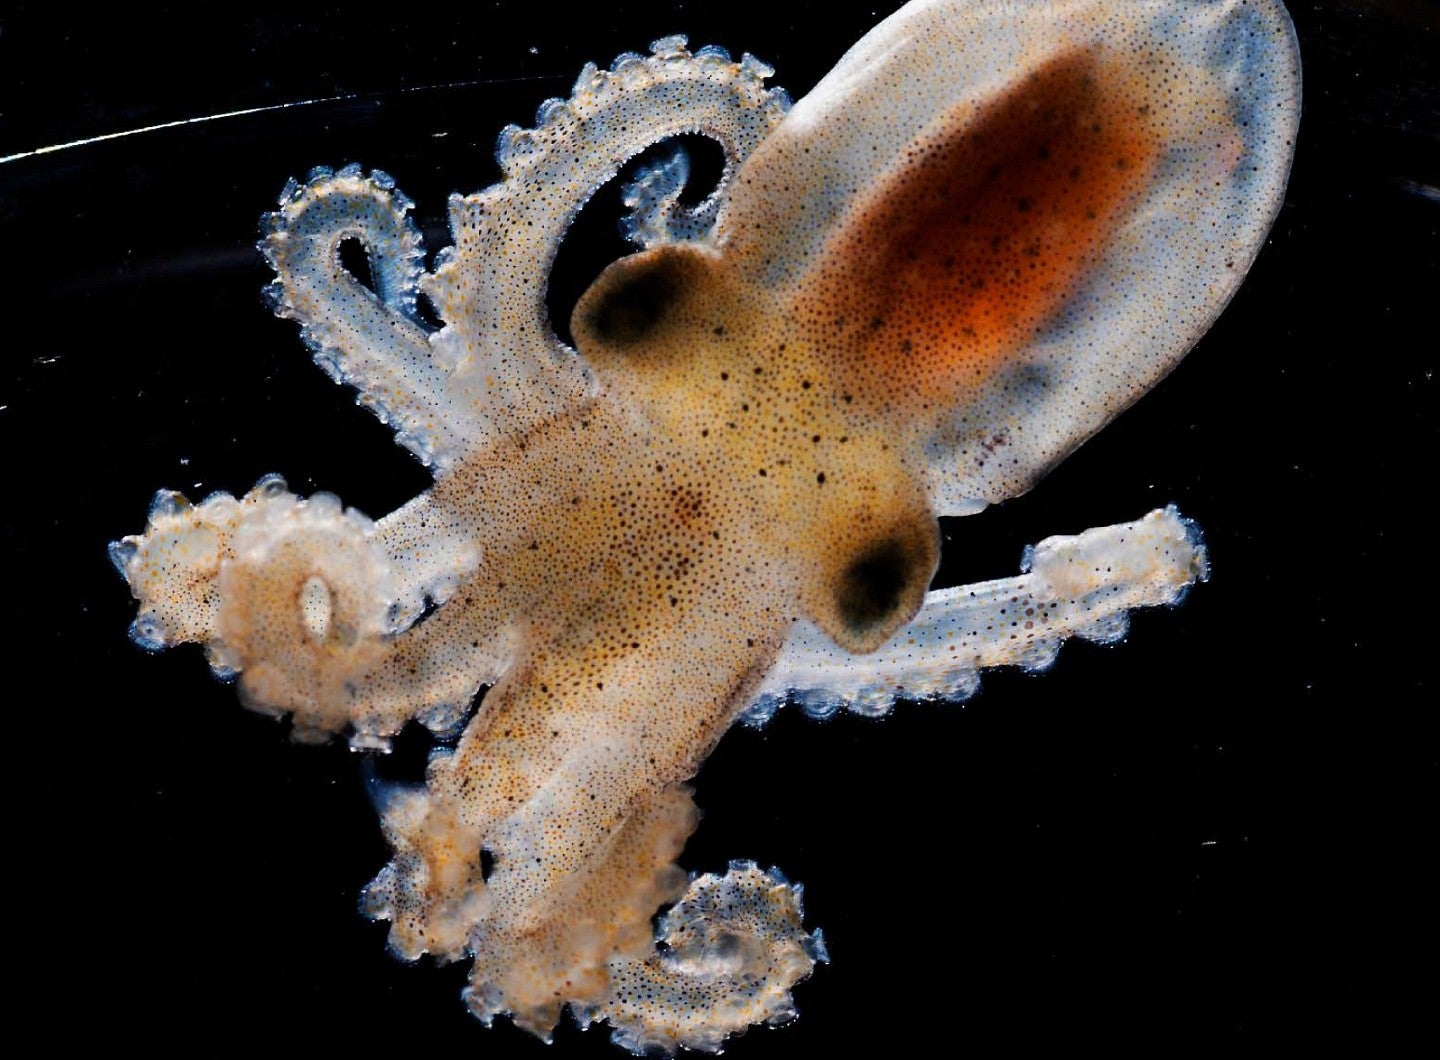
(1219, 829)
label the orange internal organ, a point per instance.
(979, 237)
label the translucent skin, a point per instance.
(984, 234)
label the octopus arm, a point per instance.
(369, 337)
(1035, 208)
(1081, 586)
(733, 946)
(299, 599)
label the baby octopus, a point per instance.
(993, 226)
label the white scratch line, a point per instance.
(52, 148)
(167, 125)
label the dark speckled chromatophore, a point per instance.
(985, 233)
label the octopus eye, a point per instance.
(635, 305)
(627, 308)
(872, 588)
(869, 584)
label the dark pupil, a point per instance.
(871, 588)
(628, 311)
